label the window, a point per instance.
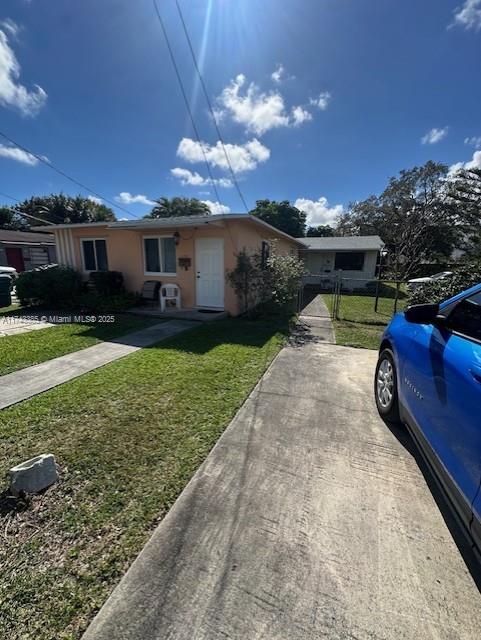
(350, 261)
(95, 255)
(465, 318)
(159, 255)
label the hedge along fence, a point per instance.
(465, 276)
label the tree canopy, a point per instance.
(418, 216)
(56, 208)
(12, 221)
(173, 207)
(321, 231)
(282, 216)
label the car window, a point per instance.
(466, 317)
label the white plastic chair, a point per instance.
(169, 292)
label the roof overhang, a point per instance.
(166, 223)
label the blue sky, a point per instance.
(319, 101)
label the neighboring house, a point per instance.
(193, 252)
(25, 250)
(356, 257)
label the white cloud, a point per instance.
(318, 211)
(95, 199)
(12, 27)
(322, 101)
(127, 198)
(13, 94)
(14, 153)
(474, 141)
(256, 110)
(300, 115)
(435, 135)
(468, 15)
(243, 157)
(278, 75)
(216, 207)
(194, 179)
(474, 163)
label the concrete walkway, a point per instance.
(23, 384)
(310, 519)
(316, 319)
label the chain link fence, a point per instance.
(378, 299)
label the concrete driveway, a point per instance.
(310, 519)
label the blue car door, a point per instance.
(443, 393)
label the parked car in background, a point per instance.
(9, 271)
(415, 282)
(428, 376)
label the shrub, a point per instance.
(53, 286)
(107, 283)
(266, 283)
(464, 277)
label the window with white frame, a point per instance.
(159, 255)
(94, 253)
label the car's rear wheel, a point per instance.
(385, 387)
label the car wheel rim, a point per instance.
(385, 383)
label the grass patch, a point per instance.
(127, 438)
(25, 349)
(359, 325)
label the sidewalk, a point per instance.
(23, 384)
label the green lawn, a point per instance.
(359, 325)
(127, 438)
(25, 349)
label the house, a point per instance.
(25, 250)
(355, 257)
(193, 252)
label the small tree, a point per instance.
(285, 274)
(248, 280)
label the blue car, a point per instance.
(428, 377)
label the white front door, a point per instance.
(209, 268)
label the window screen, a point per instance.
(101, 255)
(89, 255)
(152, 257)
(350, 261)
(466, 317)
(168, 255)
(160, 255)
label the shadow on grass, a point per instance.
(456, 528)
(204, 337)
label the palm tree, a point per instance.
(172, 207)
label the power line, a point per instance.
(186, 100)
(65, 175)
(209, 104)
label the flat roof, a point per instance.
(177, 221)
(26, 237)
(343, 243)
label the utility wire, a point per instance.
(65, 175)
(209, 104)
(186, 100)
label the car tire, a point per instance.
(385, 387)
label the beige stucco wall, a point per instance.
(125, 253)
